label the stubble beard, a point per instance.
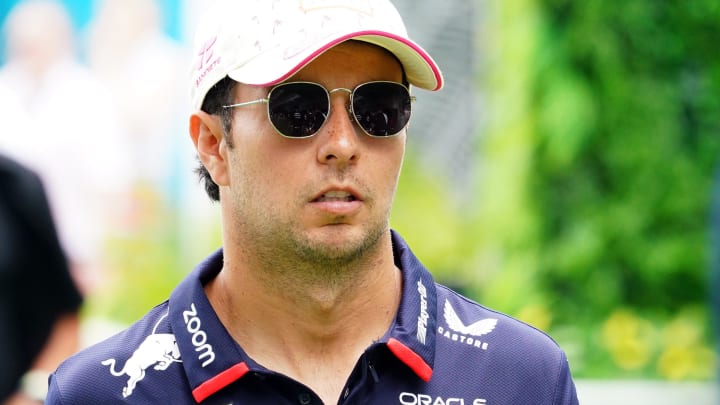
(335, 257)
(290, 257)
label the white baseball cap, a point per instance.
(264, 42)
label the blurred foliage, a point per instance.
(157, 249)
(594, 180)
(626, 120)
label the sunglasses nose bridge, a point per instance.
(348, 104)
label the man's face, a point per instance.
(322, 198)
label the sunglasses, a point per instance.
(300, 109)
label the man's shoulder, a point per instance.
(463, 320)
(110, 370)
(511, 361)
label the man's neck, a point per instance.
(308, 330)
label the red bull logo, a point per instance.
(158, 350)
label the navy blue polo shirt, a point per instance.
(442, 349)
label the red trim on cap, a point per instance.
(219, 382)
(411, 359)
(416, 48)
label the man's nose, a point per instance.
(339, 136)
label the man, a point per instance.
(300, 125)
(39, 302)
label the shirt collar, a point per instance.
(213, 360)
(211, 357)
(412, 336)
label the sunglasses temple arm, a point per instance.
(258, 101)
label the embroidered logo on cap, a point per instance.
(206, 63)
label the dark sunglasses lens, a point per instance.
(382, 108)
(298, 110)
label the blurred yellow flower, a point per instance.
(684, 355)
(628, 338)
(536, 315)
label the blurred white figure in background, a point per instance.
(145, 72)
(67, 130)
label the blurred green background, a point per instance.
(588, 213)
(590, 218)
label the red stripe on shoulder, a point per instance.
(411, 359)
(219, 382)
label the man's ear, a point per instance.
(207, 136)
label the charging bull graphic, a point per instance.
(159, 349)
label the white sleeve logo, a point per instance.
(479, 328)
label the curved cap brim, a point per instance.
(277, 65)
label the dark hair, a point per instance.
(219, 95)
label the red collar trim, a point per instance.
(411, 359)
(219, 382)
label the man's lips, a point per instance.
(337, 195)
(338, 202)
